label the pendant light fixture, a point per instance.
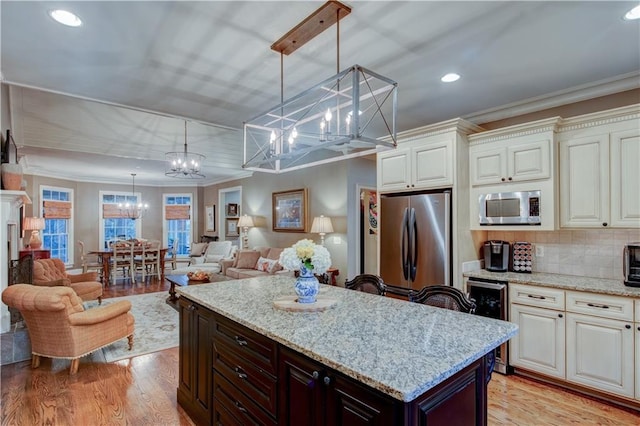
(184, 164)
(133, 210)
(350, 114)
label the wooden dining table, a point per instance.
(106, 254)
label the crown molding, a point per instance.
(454, 125)
(530, 128)
(600, 118)
(575, 94)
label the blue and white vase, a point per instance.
(307, 286)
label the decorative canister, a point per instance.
(11, 176)
(307, 286)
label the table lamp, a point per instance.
(34, 224)
(321, 225)
(245, 222)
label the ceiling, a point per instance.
(153, 64)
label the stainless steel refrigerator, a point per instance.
(415, 239)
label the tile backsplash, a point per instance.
(592, 253)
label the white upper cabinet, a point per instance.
(507, 161)
(600, 170)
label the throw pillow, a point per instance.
(265, 265)
(247, 259)
(197, 249)
(214, 258)
(276, 267)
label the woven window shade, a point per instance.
(57, 209)
(176, 212)
(111, 211)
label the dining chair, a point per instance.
(122, 258)
(367, 283)
(444, 296)
(148, 263)
(90, 262)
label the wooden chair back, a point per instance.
(443, 296)
(367, 283)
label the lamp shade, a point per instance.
(321, 225)
(245, 221)
(33, 223)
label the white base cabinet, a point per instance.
(539, 345)
(600, 353)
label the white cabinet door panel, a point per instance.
(540, 343)
(394, 169)
(584, 182)
(432, 165)
(625, 178)
(529, 161)
(487, 166)
(600, 353)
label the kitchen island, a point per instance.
(366, 360)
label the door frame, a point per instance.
(359, 225)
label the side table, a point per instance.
(35, 254)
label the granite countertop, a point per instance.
(399, 348)
(564, 282)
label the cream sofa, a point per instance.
(260, 261)
(212, 254)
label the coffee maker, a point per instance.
(496, 256)
(631, 262)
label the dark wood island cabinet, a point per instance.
(233, 374)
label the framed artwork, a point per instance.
(211, 218)
(232, 210)
(232, 228)
(290, 211)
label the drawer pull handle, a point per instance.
(241, 341)
(240, 407)
(536, 297)
(240, 372)
(593, 305)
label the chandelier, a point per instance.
(133, 210)
(350, 114)
(184, 164)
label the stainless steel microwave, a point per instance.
(510, 208)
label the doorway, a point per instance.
(230, 202)
(367, 231)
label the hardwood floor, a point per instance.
(142, 391)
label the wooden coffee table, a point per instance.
(182, 281)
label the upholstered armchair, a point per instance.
(51, 272)
(59, 327)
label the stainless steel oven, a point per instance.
(491, 297)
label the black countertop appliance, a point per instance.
(496, 256)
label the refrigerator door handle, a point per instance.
(447, 239)
(404, 231)
(413, 245)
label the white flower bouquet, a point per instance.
(306, 252)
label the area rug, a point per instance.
(156, 326)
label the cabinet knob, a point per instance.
(241, 341)
(605, 224)
(315, 375)
(240, 407)
(503, 179)
(628, 327)
(191, 308)
(327, 380)
(510, 178)
(412, 185)
(559, 315)
(408, 186)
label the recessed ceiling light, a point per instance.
(65, 17)
(449, 78)
(633, 14)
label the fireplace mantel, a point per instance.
(10, 203)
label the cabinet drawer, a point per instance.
(601, 305)
(258, 385)
(541, 297)
(248, 344)
(233, 407)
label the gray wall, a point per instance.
(332, 192)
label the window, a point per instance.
(57, 210)
(115, 226)
(177, 215)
